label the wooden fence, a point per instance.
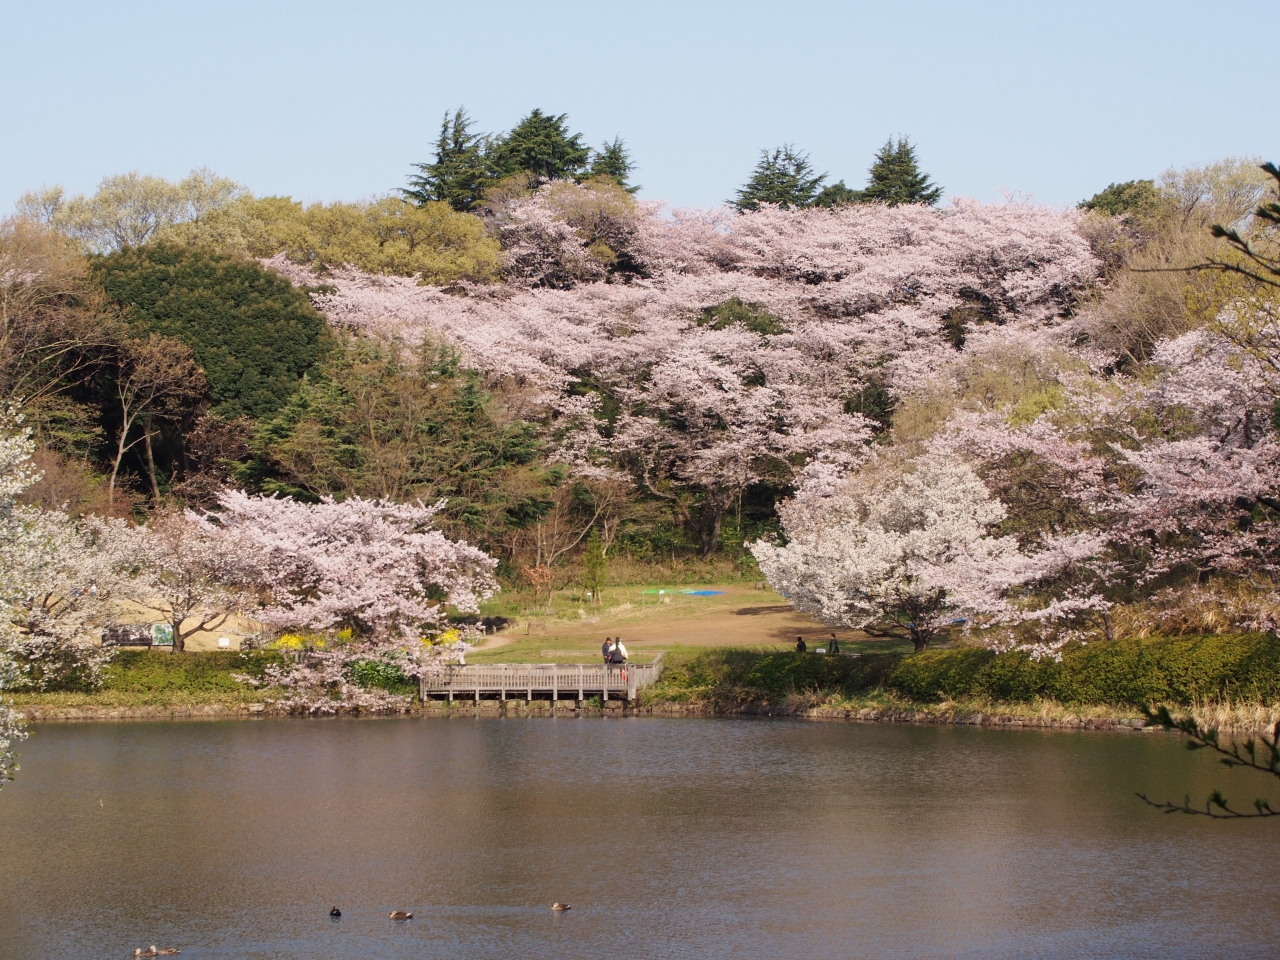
(561, 680)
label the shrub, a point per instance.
(154, 671)
(252, 332)
(380, 674)
(1128, 672)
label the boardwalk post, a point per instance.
(503, 688)
(580, 696)
(555, 683)
(605, 682)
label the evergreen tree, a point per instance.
(784, 177)
(1132, 198)
(461, 172)
(896, 177)
(595, 565)
(614, 160)
(836, 195)
(253, 332)
(541, 145)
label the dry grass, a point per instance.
(1188, 611)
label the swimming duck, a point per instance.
(401, 915)
(560, 907)
(335, 913)
(166, 953)
(139, 952)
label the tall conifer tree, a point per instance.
(896, 178)
(461, 172)
(541, 145)
(784, 177)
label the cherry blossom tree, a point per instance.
(650, 377)
(195, 578)
(378, 567)
(891, 550)
(60, 577)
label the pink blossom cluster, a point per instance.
(377, 566)
(852, 295)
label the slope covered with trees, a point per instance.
(993, 419)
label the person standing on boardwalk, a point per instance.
(800, 645)
(618, 652)
(604, 649)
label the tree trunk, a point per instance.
(711, 532)
(151, 464)
(115, 471)
(1106, 625)
(919, 641)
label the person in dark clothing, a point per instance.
(800, 645)
(834, 645)
(604, 649)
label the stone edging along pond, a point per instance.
(612, 708)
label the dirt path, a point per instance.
(739, 616)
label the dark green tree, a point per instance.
(461, 172)
(252, 331)
(836, 195)
(1137, 198)
(613, 160)
(595, 565)
(896, 178)
(541, 145)
(373, 422)
(784, 177)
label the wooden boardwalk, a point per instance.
(558, 681)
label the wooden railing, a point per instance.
(563, 681)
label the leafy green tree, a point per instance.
(613, 160)
(1133, 198)
(542, 146)
(462, 170)
(896, 178)
(784, 177)
(371, 422)
(130, 209)
(836, 195)
(252, 332)
(595, 565)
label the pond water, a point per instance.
(671, 838)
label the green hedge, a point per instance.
(1130, 672)
(1179, 670)
(153, 671)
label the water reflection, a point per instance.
(672, 838)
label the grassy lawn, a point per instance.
(736, 615)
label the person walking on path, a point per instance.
(800, 645)
(834, 645)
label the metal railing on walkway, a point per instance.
(563, 681)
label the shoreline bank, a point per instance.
(945, 715)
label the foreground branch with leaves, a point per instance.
(1260, 754)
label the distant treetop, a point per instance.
(896, 178)
(540, 147)
(784, 177)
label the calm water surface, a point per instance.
(672, 838)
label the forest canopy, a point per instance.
(1048, 424)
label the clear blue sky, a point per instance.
(325, 100)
